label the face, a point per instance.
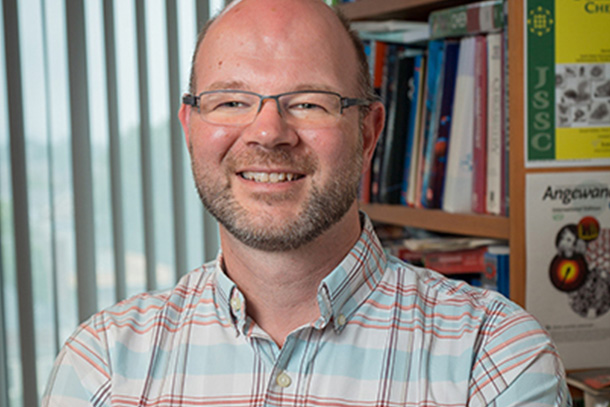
(567, 243)
(272, 186)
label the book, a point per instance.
(595, 383)
(479, 153)
(594, 379)
(430, 110)
(413, 141)
(436, 244)
(505, 204)
(377, 26)
(495, 125)
(497, 272)
(395, 31)
(482, 17)
(383, 55)
(438, 138)
(456, 261)
(457, 190)
(392, 168)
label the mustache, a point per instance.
(303, 163)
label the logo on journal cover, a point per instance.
(540, 21)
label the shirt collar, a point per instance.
(343, 291)
(340, 294)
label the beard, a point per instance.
(324, 206)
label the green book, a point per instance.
(475, 18)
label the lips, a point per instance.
(270, 177)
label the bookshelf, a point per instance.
(440, 221)
(512, 227)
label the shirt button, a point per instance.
(236, 304)
(283, 380)
(341, 320)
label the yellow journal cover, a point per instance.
(568, 82)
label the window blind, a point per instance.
(97, 202)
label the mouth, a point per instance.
(270, 177)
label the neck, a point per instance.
(281, 287)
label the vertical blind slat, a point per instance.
(202, 11)
(81, 160)
(3, 344)
(20, 204)
(50, 177)
(145, 149)
(116, 191)
(176, 140)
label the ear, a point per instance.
(184, 114)
(372, 126)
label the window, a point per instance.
(96, 197)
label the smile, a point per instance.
(270, 177)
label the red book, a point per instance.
(457, 262)
(479, 157)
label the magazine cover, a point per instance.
(567, 86)
(568, 262)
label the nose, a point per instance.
(269, 129)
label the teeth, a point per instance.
(269, 177)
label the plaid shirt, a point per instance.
(388, 334)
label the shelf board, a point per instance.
(440, 221)
(396, 9)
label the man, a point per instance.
(302, 306)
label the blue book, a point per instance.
(412, 126)
(497, 272)
(433, 82)
(438, 142)
(398, 121)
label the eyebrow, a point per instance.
(240, 85)
(219, 85)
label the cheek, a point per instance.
(333, 143)
(210, 142)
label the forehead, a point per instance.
(278, 42)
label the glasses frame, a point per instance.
(345, 102)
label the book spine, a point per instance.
(482, 17)
(457, 194)
(456, 262)
(506, 134)
(479, 158)
(412, 126)
(380, 81)
(418, 145)
(394, 150)
(431, 109)
(495, 124)
(496, 275)
(436, 156)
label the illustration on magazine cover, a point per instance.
(581, 266)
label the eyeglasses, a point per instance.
(310, 108)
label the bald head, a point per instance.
(282, 31)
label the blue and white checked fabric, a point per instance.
(389, 334)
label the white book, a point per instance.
(495, 124)
(457, 195)
(416, 149)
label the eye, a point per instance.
(231, 104)
(307, 106)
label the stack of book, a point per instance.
(478, 261)
(445, 143)
(595, 383)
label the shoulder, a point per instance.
(510, 349)
(137, 316)
(431, 289)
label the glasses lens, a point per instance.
(311, 108)
(228, 107)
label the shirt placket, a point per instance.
(287, 367)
